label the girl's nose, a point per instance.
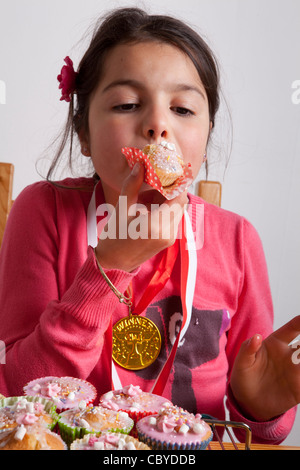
(155, 125)
(155, 134)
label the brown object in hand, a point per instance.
(168, 165)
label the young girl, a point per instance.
(66, 294)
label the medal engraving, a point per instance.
(136, 342)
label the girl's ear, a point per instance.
(84, 143)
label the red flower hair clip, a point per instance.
(67, 80)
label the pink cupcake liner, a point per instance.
(83, 390)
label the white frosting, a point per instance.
(83, 423)
(133, 399)
(20, 433)
(152, 421)
(30, 407)
(106, 441)
(198, 428)
(82, 405)
(130, 446)
(168, 145)
(108, 396)
(99, 445)
(184, 428)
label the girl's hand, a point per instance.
(265, 380)
(159, 226)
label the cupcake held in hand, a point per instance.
(165, 170)
(167, 163)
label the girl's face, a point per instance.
(149, 92)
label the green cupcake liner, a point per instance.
(70, 433)
(49, 406)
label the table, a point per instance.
(229, 446)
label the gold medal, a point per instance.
(136, 342)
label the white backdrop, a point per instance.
(257, 43)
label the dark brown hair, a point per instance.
(132, 25)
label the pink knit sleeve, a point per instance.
(273, 432)
(47, 332)
(254, 314)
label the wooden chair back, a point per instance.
(210, 191)
(6, 186)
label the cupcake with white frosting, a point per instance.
(30, 437)
(108, 441)
(166, 162)
(75, 423)
(16, 411)
(26, 423)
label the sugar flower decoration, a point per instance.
(51, 390)
(67, 80)
(27, 418)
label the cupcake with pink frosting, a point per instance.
(134, 401)
(174, 428)
(66, 392)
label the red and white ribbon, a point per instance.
(188, 281)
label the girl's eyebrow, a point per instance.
(185, 87)
(129, 82)
(140, 86)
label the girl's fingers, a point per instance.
(247, 353)
(133, 183)
(289, 331)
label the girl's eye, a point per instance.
(126, 107)
(182, 111)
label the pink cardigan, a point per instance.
(56, 307)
